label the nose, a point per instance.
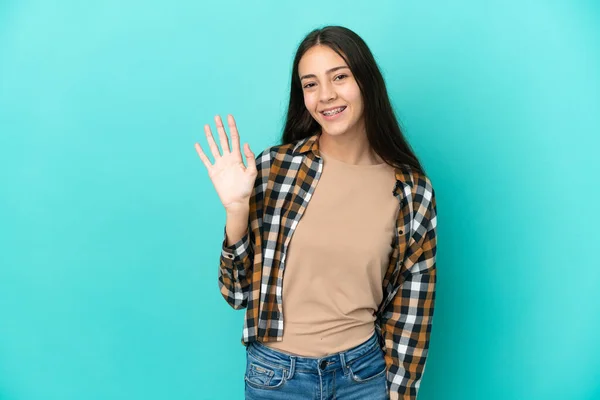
(327, 92)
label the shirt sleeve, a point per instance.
(235, 271)
(406, 322)
(235, 266)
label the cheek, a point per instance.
(310, 102)
(356, 99)
(354, 96)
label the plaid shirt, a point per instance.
(251, 270)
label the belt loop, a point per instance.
(343, 361)
(292, 367)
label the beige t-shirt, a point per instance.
(337, 258)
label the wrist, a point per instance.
(237, 209)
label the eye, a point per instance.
(308, 85)
(341, 76)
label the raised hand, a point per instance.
(232, 180)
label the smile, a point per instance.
(330, 114)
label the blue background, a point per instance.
(110, 229)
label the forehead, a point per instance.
(319, 59)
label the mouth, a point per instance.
(333, 113)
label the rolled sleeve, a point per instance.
(237, 252)
(235, 271)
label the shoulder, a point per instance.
(421, 186)
(417, 180)
(277, 151)
(280, 153)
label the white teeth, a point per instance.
(333, 112)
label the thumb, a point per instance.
(250, 158)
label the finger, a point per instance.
(250, 158)
(222, 135)
(203, 157)
(214, 149)
(235, 136)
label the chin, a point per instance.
(334, 130)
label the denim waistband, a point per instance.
(313, 364)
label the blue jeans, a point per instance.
(355, 374)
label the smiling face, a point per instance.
(331, 94)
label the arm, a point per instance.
(235, 266)
(406, 323)
(235, 271)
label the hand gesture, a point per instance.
(232, 180)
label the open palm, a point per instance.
(232, 180)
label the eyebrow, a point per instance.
(327, 72)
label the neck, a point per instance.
(350, 147)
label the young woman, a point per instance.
(330, 237)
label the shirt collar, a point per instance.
(308, 144)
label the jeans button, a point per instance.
(323, 364)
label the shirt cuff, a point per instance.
(237, 251)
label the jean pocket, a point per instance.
(368, 367)
(263, 375)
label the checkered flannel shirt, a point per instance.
(251, 270)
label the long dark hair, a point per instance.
(383, 131)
